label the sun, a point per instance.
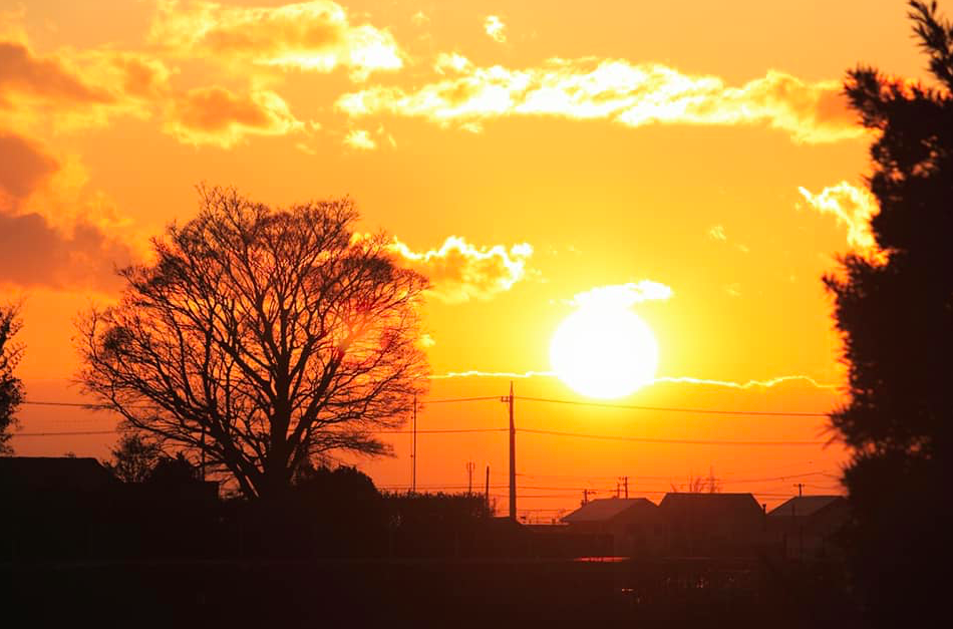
(604, 351)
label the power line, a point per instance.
(673, 409)
(69, 404)
(708, 411)
(701, 442)
(555, 433)
(762, 480)
(73, 433)
(462, 399)
(374, 432)
(92, 406)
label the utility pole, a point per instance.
(471, 466)
(413, 453)
(800, 490)
(203, 453)
(625, 482)
(585, 497)
(487, 490)
(512, 458)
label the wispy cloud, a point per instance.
(853, 207)
(717, 232)
(495, 28)
(750, 384)
(623, 295)
(746, 385)
(310, 36)
(360, 139)
(493, 374)
(610, 89)
(459, 271)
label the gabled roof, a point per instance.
(699, 504)
(57, 473)
(804, 506)
(605, 509)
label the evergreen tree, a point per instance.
(894, 310)
(11, 388)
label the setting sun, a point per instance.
(604, 351)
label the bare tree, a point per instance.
(261, 338)
(698, 484)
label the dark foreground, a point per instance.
(423, 593)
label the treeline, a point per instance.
(170, 514)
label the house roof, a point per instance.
(803, 506)
(44, 473)
(707, 503)
(605, 509)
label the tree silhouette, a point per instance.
(264, 338)
(134, 458)
(11, 388)
(895, 314)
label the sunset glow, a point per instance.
(608, 203)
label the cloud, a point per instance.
(75, 90)
(629, 94)
(25, 168)
(41, 79)
(131, 75)
(216, 116)
(360, 139)
(459, 271)
(419, 19)
(623, 295)
(494, 27)
(853, 207)
(309, 36)
(34, 251)
(54, 232)
(451, 63)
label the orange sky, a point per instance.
(558, 146)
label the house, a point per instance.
(56, 506)
(72, 508)
(631, 523)
(805, 526)
(26, 476)
(711, 524)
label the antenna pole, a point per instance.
(413, 453)
(512, 457)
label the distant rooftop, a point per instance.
(803, 506)
(604, 509)
(41, 473)
(708, 504)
